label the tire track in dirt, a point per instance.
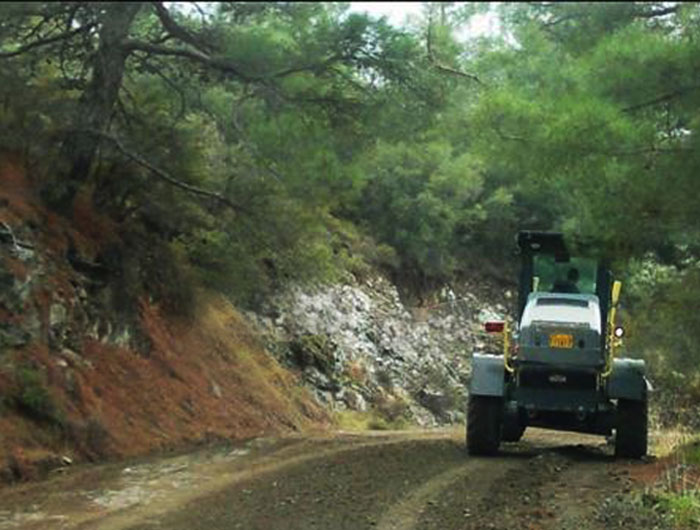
(555, 487)
(548, 481)
(345, 491)
(544, 482)
(219, 478)
(519, 499)
(573, 498)
(117, 495)
(478, 498)
(405, 514)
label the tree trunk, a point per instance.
(97, 103)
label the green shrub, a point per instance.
(32, 397)
(692, 453)
(682, 509)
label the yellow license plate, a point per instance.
(561, 341)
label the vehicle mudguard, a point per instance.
(487, 375)
(627, 380)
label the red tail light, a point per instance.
(494, 327)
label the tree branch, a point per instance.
(504, 136)
(218, 63)
(200, 11)
(658, 12)
(441, 67)
(162, 175)
(458, 73)
(177, 31)
(429, 37)
(154, 69)
(158, 49)
(45, 42)
(35, 30)
(643, 13)
(221, 63)
(307, 67)
(162, 40)
(252, 149)
(122, 109)
(646, 150)
(661, 99)
(565, 18)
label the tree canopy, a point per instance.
(242, 145)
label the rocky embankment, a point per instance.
(358, 346)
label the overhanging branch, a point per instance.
(218, 63)
(661, 99)
(458, 73)
(177, 31)
(509, 137)
(441, 67)
(164, 176)
(223, 64)
(660, 12)
(45, 42)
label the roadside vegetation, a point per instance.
(668, 497)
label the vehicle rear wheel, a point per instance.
(484, 423)
(631, 432)
(512, 431)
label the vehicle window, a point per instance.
(557, 277)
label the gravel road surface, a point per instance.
(379, 480)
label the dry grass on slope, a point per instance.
(202, 379)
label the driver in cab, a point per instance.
(569, 285)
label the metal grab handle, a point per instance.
(610, 342)
(506, 348)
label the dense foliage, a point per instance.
(220, 140)
(242, 145)
(593, 110)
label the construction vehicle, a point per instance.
(558, 368)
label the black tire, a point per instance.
(631, 432)
(512, 431)
(484, 423)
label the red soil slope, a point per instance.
(204, 379)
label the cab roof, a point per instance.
(533, 242)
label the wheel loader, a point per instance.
(558, 368)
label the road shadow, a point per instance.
(573, 446)
(585, 453)
(509, 451)
(578, 452)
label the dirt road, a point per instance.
(390, 480)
